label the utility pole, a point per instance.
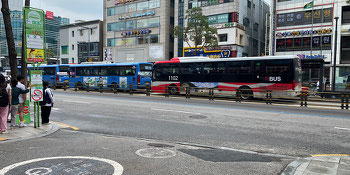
(23, 59)
(9, 37)
(335, 53)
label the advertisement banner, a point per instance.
(35, 55)
(95, 81)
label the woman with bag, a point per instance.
(4, 105)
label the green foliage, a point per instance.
(198, 30)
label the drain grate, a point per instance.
(160, 145)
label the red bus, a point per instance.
(252, 75)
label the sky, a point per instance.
(86, 10)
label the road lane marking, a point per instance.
(2, 139)
(167, 110)
(348, 129)
(118, 168)
(71, 101)
(62, 125)
(320, 155)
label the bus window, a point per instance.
(103, 71)
(113, 71)
(127, 70)
(49, 71)
(145, 70)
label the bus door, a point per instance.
(72, 77)
(63, 74)
(144, 75)
(127, 77)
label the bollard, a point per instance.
(87, 87)
(131, 90)
(101, 86)
(188, 92)
(347, 101)
(54, 86)
(268, 97)
(75, 87)
(238, 95)
(342, 100)
(211, 94)
(166, 91)
(115, 88)
(148, 90)
(302, 99)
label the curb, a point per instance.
(293, 166)
(51, 131)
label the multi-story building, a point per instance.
(52, 24)
(240, 25)
(15, 5)
(138, 30)
(307, 29)
(81, 42)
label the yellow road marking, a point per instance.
(62, 125)
(319, 155)
(2, 139)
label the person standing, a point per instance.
(4, 105)
(9, 92)
(22, 100)
(16, 92)
(46, 104)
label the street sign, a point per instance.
(34, 29)
(36, 80)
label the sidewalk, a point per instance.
(320, 165)
(28, 132)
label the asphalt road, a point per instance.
(208, 137)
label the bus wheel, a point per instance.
(80, 86)
(173, 90)
(246, 93)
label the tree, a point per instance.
(9, 37)
(23, 62)
(197, 30)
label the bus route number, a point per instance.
(173, 78)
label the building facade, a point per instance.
(81, 42)
(52, 24)
(138, 30)
(240, 25)
(307, 30)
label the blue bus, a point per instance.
(109, 74)
(56, 75)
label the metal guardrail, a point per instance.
(339, 100)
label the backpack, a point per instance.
(4, 98)
(46, 98)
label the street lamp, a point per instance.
(335, 53)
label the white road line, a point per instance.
(348, 129)
(176, 111)
(71, 101)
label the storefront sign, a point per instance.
(49, 15)
(304, 32)
(188, 52)
(317, 56)
(136, 15)
(116, 2)
(137, 32)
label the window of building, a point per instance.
(256, 26)
(153, 22)
(120, 9)
(142, 6)
(81, 32)
(130, 25)
(132, 8)
(345, 50)
(110, 42)
(64, 49)
(249, 4)
(73, 47)
(64, 61)
(154, 4)
(154, 38)
(223, 37)
(72, 33)
(110, 11)
(142, 23)
(346, 14)
(246, 22)
(72, 60)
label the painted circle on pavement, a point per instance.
(68, 165)
(155, 153)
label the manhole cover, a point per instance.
(198, 116)
(160, 145)
(155, 153)
(64, 166)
